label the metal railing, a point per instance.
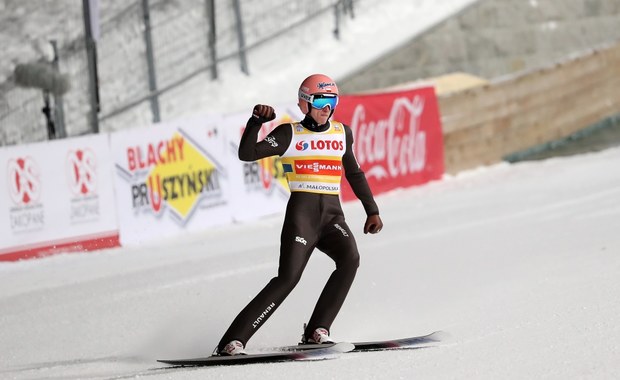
(150, 48)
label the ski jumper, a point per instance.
(313, 158)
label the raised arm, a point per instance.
(274, 144)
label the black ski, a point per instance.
(303, 352)
(403, 343)
(322, 353)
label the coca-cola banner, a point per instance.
(398, 138)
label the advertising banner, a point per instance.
(259, 188)
(55, 197)
(171, 178)
(398, 137)
(137, 185)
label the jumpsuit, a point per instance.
(312, 220)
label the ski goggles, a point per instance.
(320, 101)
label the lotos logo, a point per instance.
(394, 146)
(320, 145)
(302, 145)
(82, 172)
(24, 181)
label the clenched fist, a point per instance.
(263, 113)
(373, 224)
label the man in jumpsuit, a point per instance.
(314, 152)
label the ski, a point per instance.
(322, 353)
(403, 343)
(307, 352)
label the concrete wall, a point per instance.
(484, 124)
(492, 38)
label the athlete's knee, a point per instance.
(355, 260)
(288, 281)
(350, 261)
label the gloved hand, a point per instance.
(373, 224)
(263, 113)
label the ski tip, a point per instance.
(440, 336)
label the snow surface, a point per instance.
(518, 263)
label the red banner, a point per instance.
(398, 138)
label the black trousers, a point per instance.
(311, 221)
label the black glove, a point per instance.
(373, 224)
(263, 113)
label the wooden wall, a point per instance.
(483, 124)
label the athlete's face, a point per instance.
(320, 116)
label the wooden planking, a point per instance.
(483, 124)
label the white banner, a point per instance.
(55, 197)
(171, 178)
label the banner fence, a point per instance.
(138, 185)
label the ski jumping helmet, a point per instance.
(317, 91)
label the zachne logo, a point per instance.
(24, 181)
(81, 169)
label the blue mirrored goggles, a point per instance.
(320, 101)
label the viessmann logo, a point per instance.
(320, 145)
(320, 167)
(174, 174)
